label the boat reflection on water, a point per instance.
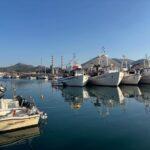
(106, 98)
(16, 137)
(140, 94)
(145, 97)
(75, 96)
(131, 91)
(145, 89)
(103, 98)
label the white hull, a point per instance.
(12, 123)
(145, 76)
(42, 77)
(32, 78)
(76, 80)
(145, 79)
(132, 79)
(107, 79)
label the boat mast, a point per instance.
(124, 62)
(45, 70)
(41, 64)
(147, 61)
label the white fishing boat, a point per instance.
(107, 78)
(18, 113)
(106, 75)
(78, 79)
(145, 72)
(132, 79)
(75, 76)
(145, 76)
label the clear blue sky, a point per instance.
(31, 29)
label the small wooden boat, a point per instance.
(145, 72)
(18, 113)
(18, 121)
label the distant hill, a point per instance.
(95, 61)
(138, 64)
(115, 61)
(129, 61)
(20, 67)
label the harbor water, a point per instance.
(87, 118)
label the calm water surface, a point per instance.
(83, 118)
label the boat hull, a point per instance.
(132, 79)
(145, 76)
(13, 123)
(145, 79)
(107, 79)
(76, 81)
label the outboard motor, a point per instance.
(24, 103)
(20, 100)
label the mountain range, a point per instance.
(20, 67)
(115, 61)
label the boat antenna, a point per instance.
(103, 50)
